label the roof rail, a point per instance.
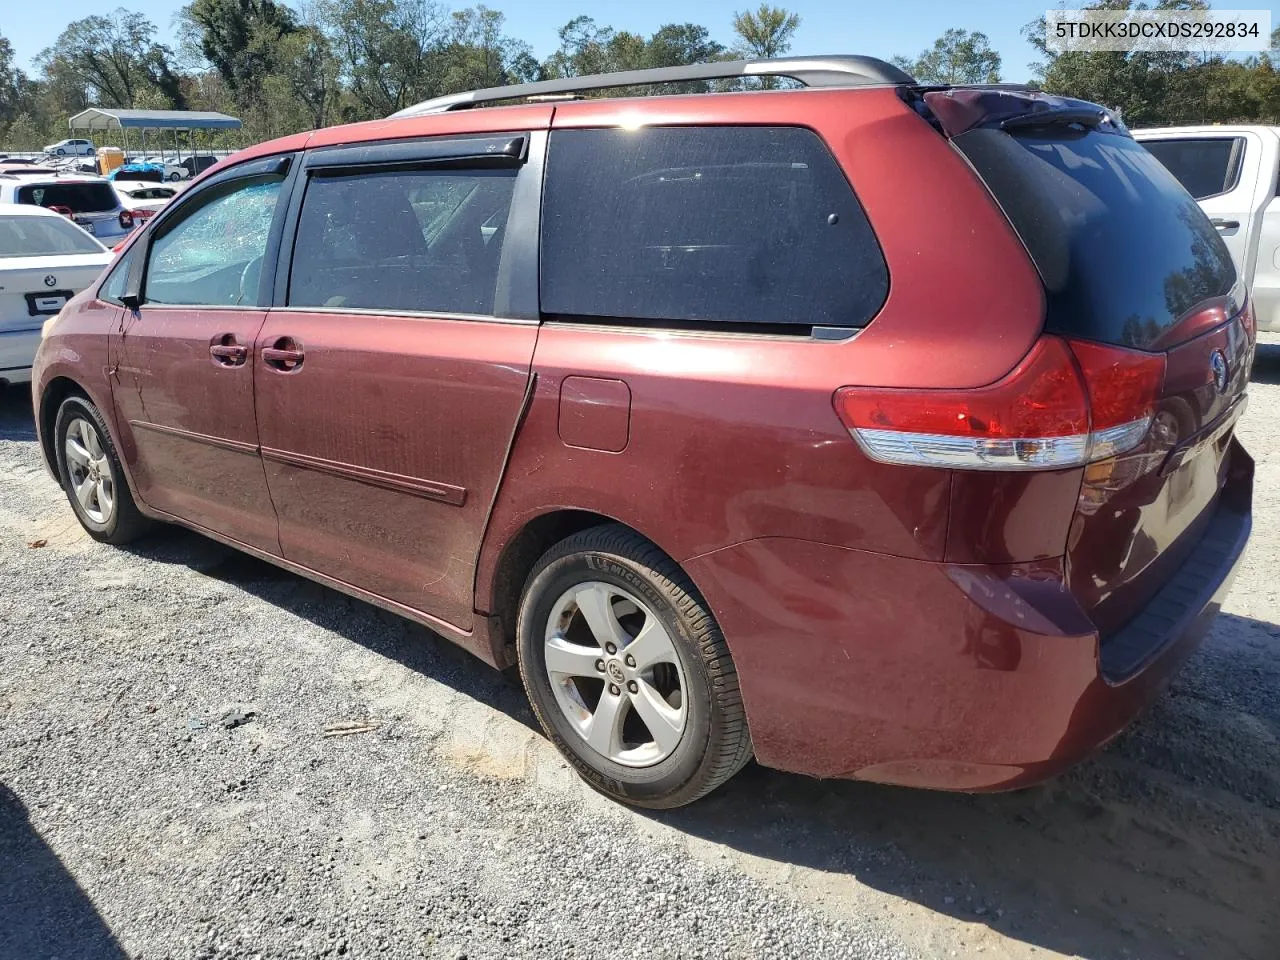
(837, 71)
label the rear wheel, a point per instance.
(92, 476)
(628, 671)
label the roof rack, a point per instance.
(837, 71)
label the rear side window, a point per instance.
(737, 225)
(1123, 252)
(1206, 167)
(40, 236)
(402, 241)
(78, 197)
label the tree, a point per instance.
(241, 39)
(15, 88)
(389, 51)
(957, 56)
(115, 56)
(766, 32)
(1143, 86)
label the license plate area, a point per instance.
(47, 303)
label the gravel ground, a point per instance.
(166, 789)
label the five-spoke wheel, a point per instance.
(92, 474)
(89, 471)
(628, 672)
(616, 674)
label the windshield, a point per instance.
(92, 197)
(43, 236)
(1123, 249)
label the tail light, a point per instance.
(126, 219)
(1065, 404)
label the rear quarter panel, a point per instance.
(733, 437)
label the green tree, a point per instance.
(1143, 86)
(15, 88)
(241, 39)
(957, 56)
(389, 51)
(478, 53)
(765, 32)
(113, 55)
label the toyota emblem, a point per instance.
(50, 281)
(1218, 363)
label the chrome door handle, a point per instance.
(1222, 224)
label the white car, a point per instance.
(88, 200)
(71, 148)
(1233, 173)
(141, 196)
(45, 260)
(172, 171)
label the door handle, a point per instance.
(226, 352)
(285, 355)
(1222, 224)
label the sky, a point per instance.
(881, 29)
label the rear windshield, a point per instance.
(97, 197)
(40, 236)
(1122, 248)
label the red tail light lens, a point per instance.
(126, 219)
(1062, 406)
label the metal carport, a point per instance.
(99, 119)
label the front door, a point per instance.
(184, 371)
(390, 383)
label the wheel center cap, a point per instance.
(615, 671)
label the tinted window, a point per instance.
(78, 197)
(39, 236)
(1205, 167)
(214, 255)
(408, 240)
(1123, 251)
(751, 225)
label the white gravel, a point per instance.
(134, 823)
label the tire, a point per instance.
(681, 682)
(108, 513)
(61, 152)
(174, 177)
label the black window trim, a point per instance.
(516, 297)
(192, 201)
(818, 333)
(1235, 160)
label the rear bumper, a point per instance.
(17, 353)
(957, 677)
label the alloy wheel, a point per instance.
(615, 674)
(89, 471)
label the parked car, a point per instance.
(88, 200)
(74, 148)
(1234, 174)
(172, 169)
(44, 261)
(142, 198)
(688, 408)
(196, 165)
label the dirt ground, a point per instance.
(124, 797)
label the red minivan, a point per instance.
(872, 429)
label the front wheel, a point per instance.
(628, 672)
(92, 476)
